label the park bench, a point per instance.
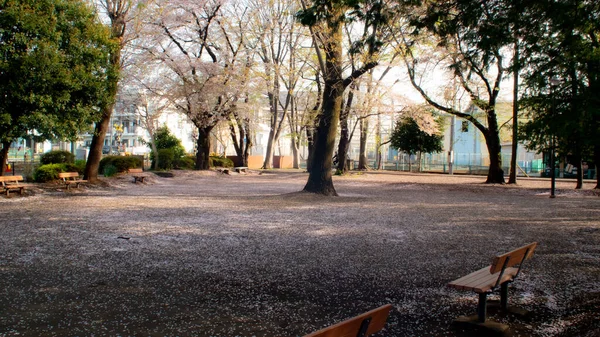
(240, 169)
(70, 178)
(360, 326)
(137, 174)
(504, 269)
(12, 183)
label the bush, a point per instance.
(48, 172)
(57, 157)
(217, 161)
(165, 159)
(110, 170)
(185, 163)
(121, 163)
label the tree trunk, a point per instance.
(512, 179)
(320, 179)
(268, 163)
(310, 140)
(378, 143)
(597, 162)
(93, 161)
(495, 172)
(203, 142)
(155, 150)
(579, 173)
(344, 143)
(295, 153)
(362, 157)
(4, 157)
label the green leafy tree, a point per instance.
(165, 140)
(53, 69)
(562, 49)
(470, 38)
(408, 137)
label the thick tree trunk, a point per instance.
(597, 162)
(295, 153)
(4, 157)
(320, 179)
(93, 161)
(203, 142)
(495, 172)
(268, 163)
(362, 156)
(579, 173)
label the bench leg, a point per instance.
(504, 296)
(482, 307)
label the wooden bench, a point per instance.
(12, 183)
(137, 175)
(70, 178)
(504, 269)
(360, 326)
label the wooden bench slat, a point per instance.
(351, 327)
(12, 183)
(482, 281)
(515, 257)
(71, 178)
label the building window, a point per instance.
(464, 126)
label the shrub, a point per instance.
(48, 172)
(121, 163)
(165, 159)
(185, 163)
(57, 157)
(217, 161)
(110, 170)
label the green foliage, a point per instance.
(185, 163)
(165, 158)
(48, 172)
(408, 137)
(217, 161)
(164, 139)
(110, 170)
(54, 65)
(121, 163)
(57, 157)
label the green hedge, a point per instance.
(121, 163)
(216, 161)
(48, 172)
(57, 157)
(185, 163)
(166, 158)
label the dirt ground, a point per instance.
(209, 254)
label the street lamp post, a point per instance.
(554, 81)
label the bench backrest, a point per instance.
(512, 258)
(135, 170)
(64, 175)
(359, 326)
(10, 179)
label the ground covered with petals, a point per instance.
(210, 254)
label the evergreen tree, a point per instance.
(53, 69)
